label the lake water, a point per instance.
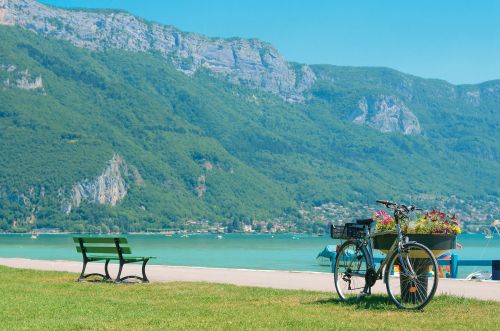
(281, 252)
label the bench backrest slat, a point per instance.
(99, 240)
(102, 245)
(103, 249)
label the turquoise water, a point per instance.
(283, 252)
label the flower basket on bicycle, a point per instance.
(436, 230)
(437, 243)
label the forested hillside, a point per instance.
(125, 140)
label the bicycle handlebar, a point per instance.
(393, 205)
(386, 203)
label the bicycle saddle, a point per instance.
(364, 221)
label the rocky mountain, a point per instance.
(252, 63)
(21, 79)
(110, 121)
(386, 114)
(109, 188)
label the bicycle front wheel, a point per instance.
(350, 271)
(418, 277)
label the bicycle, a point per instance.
(355, 273)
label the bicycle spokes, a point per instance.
(350, 271)
(417, 281)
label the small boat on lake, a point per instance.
(480, 275)
(34, 235)
(327, 255)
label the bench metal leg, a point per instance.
(108, 277)
(133, 277)
(144, 277)
(82, 274)
(104, 278)
(118, 279)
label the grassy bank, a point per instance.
(53, 301)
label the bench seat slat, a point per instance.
(104, 249)
(115, 257)
(100, 240)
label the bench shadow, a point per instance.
(110, 281)
(372, 302)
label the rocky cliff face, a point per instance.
(253, 63)
(109, 188)
(21, 79)
(474, 95)
(386, 114)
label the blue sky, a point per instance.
(455, 40)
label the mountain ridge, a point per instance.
(24, 13)
(249, 61)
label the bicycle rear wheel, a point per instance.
(418, 276)
(350, 271)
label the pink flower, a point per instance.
(381, 213)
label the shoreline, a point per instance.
(269, 234)
(235, 251)
(293, 280)
(197, 233)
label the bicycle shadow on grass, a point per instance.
(372, 302)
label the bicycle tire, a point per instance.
(418, 279)
(352, 253)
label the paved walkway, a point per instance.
(313, 281)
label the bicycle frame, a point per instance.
(396, 246)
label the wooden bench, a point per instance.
(95, 249)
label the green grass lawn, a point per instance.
(36, 300)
